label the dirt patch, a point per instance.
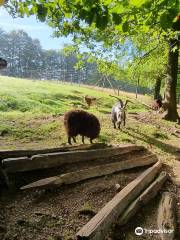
(55, 214)
(41, 214)
(58, 214)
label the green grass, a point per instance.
(31, 116)
(37, 97)
(30, 110)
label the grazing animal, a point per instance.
(118, 113)
(89, 100)
(157, 104)
(79, 122)
(3, 63)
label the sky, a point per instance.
(34, 28)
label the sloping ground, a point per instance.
(31, 117)
(55, 214)
(41, 214)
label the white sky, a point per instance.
(34, 28)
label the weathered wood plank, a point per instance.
(28, 153)
(166, 219)
(4, 178)
(57, 159)
(149, 193)
(74, 177)
(99, 225)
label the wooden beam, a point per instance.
(74, 177)
(149, 193)
(4, 178)
(166, 220)
(99, 225)
(28, 153)
(57, 159)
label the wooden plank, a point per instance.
(176, 172)
(4, 178)
(74, 177)
(57, 159)
(149, 193)
(28, 153)
(99, 225)
(166, 219)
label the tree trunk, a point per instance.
(157, 87)
(171, 81)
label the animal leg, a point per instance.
(74, 139)
(83, 139)
(114, 125)
(124, 120)
(69, 140)
(91, 140)
(119, 125)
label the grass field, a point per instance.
(31, 116)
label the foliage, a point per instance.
(149, 64)
(128, 17)
(110, 23)
(113, 22)
(26, 58)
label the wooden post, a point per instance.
(49, 160)
(99, 225)
(149, 193)
(137, 87)
(166, 220)
(101, 170)
(28, 153)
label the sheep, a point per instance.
(3, 63)
(89, 100)
(79, 122)
(118, 112)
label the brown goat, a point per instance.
(156, 104)
(89, 100)
(79, 122)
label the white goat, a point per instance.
(118, 113)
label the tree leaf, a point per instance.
(137, 3)
(117, 19)
(42, 12)
(125, 27)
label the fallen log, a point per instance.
(57, 159)
(98, 226)
(101, 170)
(166, 219)
(149, 193)
(28, 153)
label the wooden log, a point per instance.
(4, 178)
(149, 193)
(28, 153)
(101, 170)
(166, 219)
(57, 159)
(99, 225)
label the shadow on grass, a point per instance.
(151, 140)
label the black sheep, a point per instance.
(79, 122)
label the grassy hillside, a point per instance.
(36, 97)
(31, 116)
(32, 110)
